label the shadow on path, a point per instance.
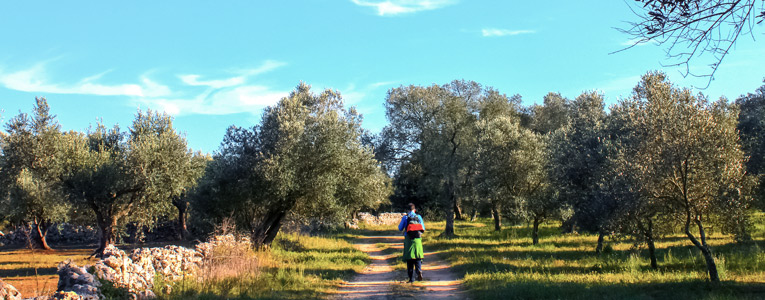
(379, 279)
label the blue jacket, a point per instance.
(405, 221)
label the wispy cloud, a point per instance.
(382, 83)
(222, 96)
(395, 7)
(193, 79)
(236, 94)
(242, 99)
(35, 79)
(493, 32)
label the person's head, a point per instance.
(411, 207)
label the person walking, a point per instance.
(413, 227)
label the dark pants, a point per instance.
(414, 265)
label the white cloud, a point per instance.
(491, 32)
(34, 79)
(242, 99)
(193, 79)
(222, 96)
(219, 96)
(382, 83)
(395, 7)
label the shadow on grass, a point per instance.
(24, 272)
(692, 289)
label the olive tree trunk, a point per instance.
(601, 237)
(535, 231)
(702, 245)
(449, 209)
(39, 231)
(265, 233)
(497, 216)
(182, 207)
(651, 245)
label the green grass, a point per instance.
(296, 267)
(506, 265)
(500, 264)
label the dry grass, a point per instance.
(33, 272)
(296, 267)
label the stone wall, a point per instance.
(61, 233)
(135, 271)
(8, 292)
(380, 219)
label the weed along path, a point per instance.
(383, 279)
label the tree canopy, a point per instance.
(31, 169)
(128, 176)
(304, 160)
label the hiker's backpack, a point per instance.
(414, 228)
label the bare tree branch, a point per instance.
(692, 29)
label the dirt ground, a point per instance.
(380, 281)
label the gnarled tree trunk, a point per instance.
(449, 209)
(714, 277)
(497, 216)
(107, 222)
(266, 232)
(601, 237)
(182, 206)
(39, 231)
(458, 210)
(106, 227)
(535, 231)
(651, 245)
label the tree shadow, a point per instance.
(691, 289)
(24, 272)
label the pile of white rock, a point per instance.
(134, 272)
(380, 219)
(77, 281)
(8, 292)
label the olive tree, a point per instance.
(511, 169)
(690, 160)
(435, 127)
(751, 125)
(578, 162)
(30, 172)
(305, 159)
(128, 176)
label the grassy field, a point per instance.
(33, 273)
(564, 266)
(297, 267)
(494, 265)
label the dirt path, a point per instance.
(380, 281)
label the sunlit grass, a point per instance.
(33, 272)
(296, 267)
(505, 264)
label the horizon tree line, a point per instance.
(658, 161)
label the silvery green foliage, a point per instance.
(305, 160)
(687, 160)
(30, 171)
(130, 176)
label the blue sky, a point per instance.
(214, 64)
